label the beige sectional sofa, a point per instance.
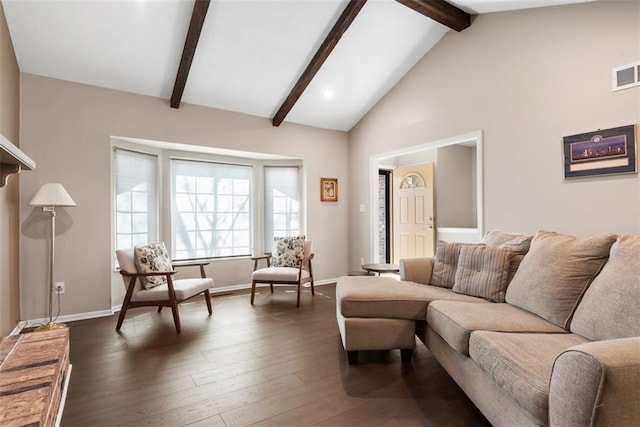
(561, 347)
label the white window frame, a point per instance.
(140, 149)
(174, 212)
(267, 243)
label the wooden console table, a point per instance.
(34, 377)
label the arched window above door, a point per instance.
(412, 180)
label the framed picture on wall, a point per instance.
(328, 189)
(601, 152)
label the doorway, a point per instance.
(413, 212)
(423, 153)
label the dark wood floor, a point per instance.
(270, 364)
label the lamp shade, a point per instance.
(52, 194)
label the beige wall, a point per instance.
(525, 79)
(455, 182)
(66, 128)
(9, 128)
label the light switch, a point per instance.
(363, 208)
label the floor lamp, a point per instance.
(48, 197)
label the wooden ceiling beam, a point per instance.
(200, 8)
(340, 27)
(440, 11)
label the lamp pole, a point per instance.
(48, 197)
(52, 244)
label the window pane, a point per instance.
(123, 201)
(211, 202)
(282, 203)
(124, 241)
(139, 223)
(224, 203)
(139, 201)
(123, 223)
(206, 202)
(241, 204)
(136, 198)
(140, 239)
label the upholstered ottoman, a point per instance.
(380, 313)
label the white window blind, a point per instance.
(281, 203)
(211, 209)
(136, 204)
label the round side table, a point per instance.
(381, 268)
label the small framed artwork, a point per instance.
(602, 152)
(328, 189)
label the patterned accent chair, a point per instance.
(289, 264)
(166, 292)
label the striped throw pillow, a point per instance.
(482, 272)
(446, 261)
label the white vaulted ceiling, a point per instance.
(249, 56)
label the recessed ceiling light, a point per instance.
(328, 93)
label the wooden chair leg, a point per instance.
(159, 308)
(253, 290)
(176, 317)
(271, 287)
(299, 291)
(125, 303)
(123, 312)
(312, 290)
(207, 298)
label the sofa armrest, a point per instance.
(416, 269)
(596, 384)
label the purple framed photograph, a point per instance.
(602, 152)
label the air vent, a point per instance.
(626, 76)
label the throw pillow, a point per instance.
(482, 272)
(446, 262)
(610, 308)
(287, 251)
(518, 243)
(152, 258)
(555, 273)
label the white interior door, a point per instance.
(413, 212)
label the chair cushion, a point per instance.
(386, 297)
(288, 251)
(279, 274)
(184, 288)
(610, 306)
(482, 272)
(521, 364)
(152, 258)
(555, 273)
(446, 262)
(454, 321)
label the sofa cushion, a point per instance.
(518, 243)
(521, 364)
(454, 321)
(555, 273)
(446, 262)
(611, 306)
(386, 297)
(152, 258)
(482, 272)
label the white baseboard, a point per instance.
(116, 308)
